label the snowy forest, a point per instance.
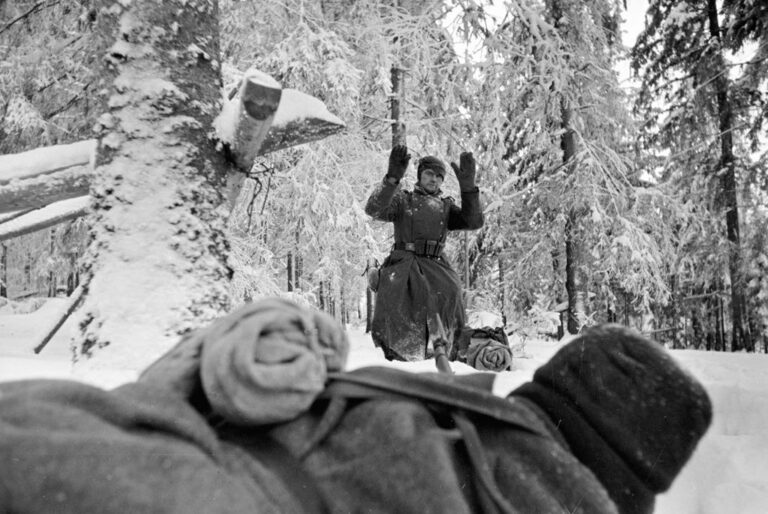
(640, 201)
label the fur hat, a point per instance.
(626, 408)
(433, 163)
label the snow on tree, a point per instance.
(158, 261)
(696, 112)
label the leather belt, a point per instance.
(425, 247)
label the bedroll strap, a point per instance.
(470, 393)
(449, 394)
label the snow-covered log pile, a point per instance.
(49, 185)
(45, 186)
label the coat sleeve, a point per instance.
(470, 215)
(384, 202)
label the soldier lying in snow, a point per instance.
(253, 415)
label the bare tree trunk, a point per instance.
(157, 265)
(3, 271)
(398, 127)
(370, 298)
(289, 269)
(574, 273)
(721, 324)
(557, 272)
(502, 291)
(51, 274)
(465, 243)
(298, 264)
(741, 337)
(330, 299)
(674, 309)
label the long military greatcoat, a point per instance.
(419, 296)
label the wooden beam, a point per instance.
(34, 179)
(245, 119)
(46, 160)
(45, 217)
(45, 188)
(65, 312)
(262, 117)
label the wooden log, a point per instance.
(46, 160)
(263, 118)
(55, 324)
(45, 188)
(245, 119)
(45, 217)
(8, 216)
(33, 179)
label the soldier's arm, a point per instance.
(383, 204)
(470, 215)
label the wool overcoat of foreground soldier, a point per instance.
(255, 415)
(419, 294)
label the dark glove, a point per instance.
(465, 171)
(398, 162)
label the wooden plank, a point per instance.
(66, 311)
(46, 160)
(43, 189)
(245, 119)
(262, 117)
(45, 217)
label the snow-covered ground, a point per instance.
(727, 474)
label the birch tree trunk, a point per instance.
(157, 264)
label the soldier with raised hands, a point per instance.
(419, 297)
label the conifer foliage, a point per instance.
(653, 216)
(701, 108)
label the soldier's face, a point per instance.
(430, 181)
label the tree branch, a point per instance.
(35, 8)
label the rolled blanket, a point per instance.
(489, 355)
(264, 363)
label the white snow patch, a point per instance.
(296, 106)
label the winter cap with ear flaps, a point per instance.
(626, 408)
(432, 163)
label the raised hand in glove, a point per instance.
(398, 162)
(465, 171)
